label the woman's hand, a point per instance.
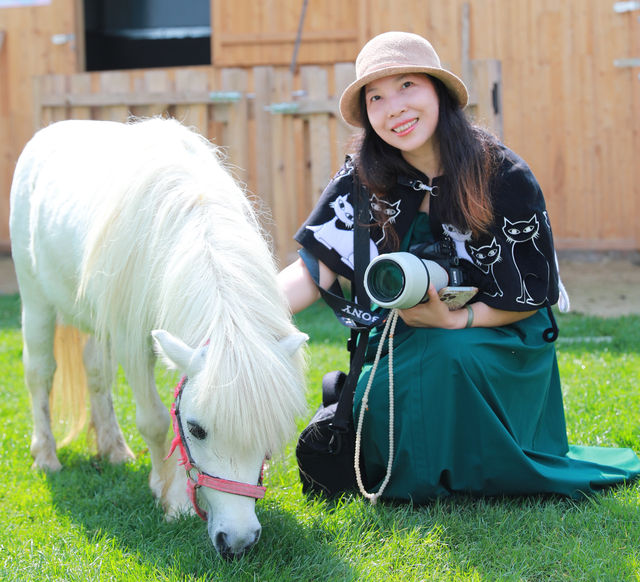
(435, 313)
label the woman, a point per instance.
(478, 402)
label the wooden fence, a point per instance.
(282, 134)
(570, 100)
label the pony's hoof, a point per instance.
(121, 456)
(49, 465)
(173, 512)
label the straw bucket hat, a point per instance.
(394, 53)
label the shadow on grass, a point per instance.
(580, 333)
(529, 538)
(114, 504)
(10, 311)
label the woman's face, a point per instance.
(403, 110)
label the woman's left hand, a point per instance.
(434, 313)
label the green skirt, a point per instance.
(478, 411)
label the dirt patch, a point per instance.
(8, 284)
(604, 285)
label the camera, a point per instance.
(401, 280)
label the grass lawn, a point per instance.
(93, 521)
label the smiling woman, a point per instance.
(476, 390)
(403, 111)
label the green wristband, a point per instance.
(469, 316)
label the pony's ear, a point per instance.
(292, 343)
(177, 353)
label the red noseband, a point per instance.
(203, 479)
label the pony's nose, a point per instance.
(230, 549)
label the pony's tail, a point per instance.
(68, 394)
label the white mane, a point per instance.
(176, 245)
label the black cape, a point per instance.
(514, 265)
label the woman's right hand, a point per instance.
(434, 313)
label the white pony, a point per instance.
(123, 229)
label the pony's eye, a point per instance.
(196, 430)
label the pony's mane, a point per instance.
(178, 246)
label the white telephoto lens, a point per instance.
(401, 280)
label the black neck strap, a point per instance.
(354, 315)
(357, 314)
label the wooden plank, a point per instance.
(229, 40)
(80, 85)
(344, 75)
(633, 195)
(37, 117)
(154, 82)
(7, 153)
(54, 85)
(615, 116)
(118, 83)
(143, 98)
(263, 82)
(315, 84)
(79, 44)
(557, 197)
(192, 114)
(217, 25)
(596, 244)
(236, 136)
(364, 25)
(487, 83)
(466, 69)
(283, 171)
(583, 195)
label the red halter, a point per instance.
(203, 479)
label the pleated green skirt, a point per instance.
(478, 411)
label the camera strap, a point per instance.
(357, 344)
(357, 314)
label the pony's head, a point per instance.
(228, 446)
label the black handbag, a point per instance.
(326, 447)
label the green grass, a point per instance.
(93, 521)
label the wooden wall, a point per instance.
(263, 33)
(567, 109)
(27, 50)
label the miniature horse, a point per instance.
(121, 230)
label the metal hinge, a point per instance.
(225, 96)
(627, 63)
(626, 6)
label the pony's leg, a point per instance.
(38, 327)
(100, 377)
(175, 500)
(152, 419)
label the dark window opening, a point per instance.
(121, 34)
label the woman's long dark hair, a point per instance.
(468, 155)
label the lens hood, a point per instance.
(401, 280)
